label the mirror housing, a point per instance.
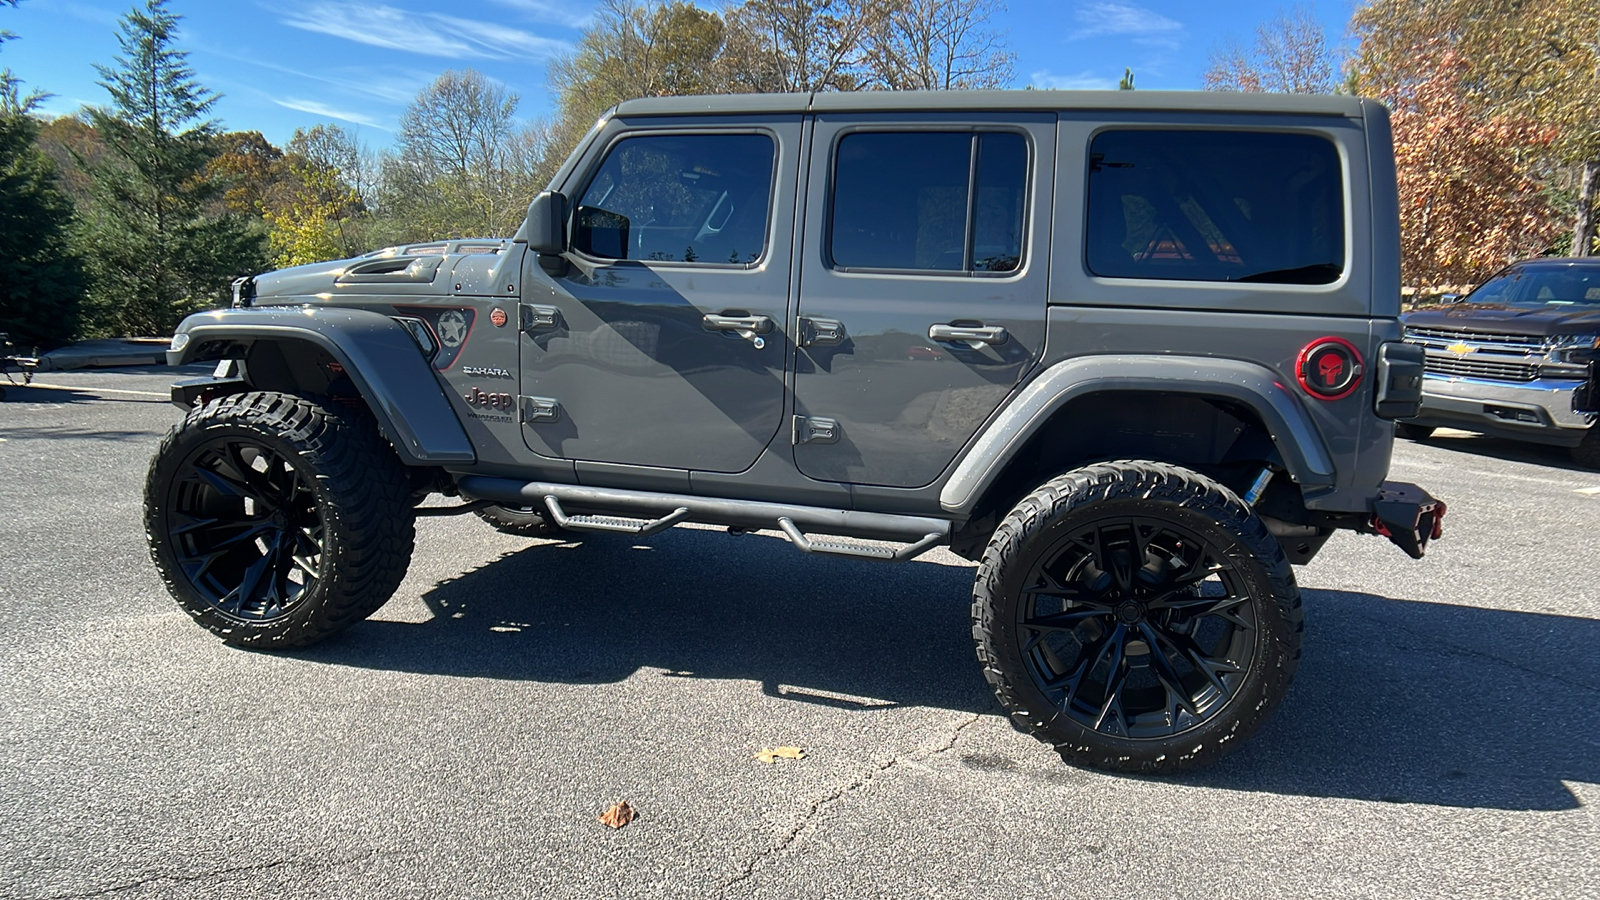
(1449, 298)
(546, 227)
(600, 232)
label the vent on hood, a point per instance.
(393, 270)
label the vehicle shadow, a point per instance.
(1508, 450)
(1395, 700)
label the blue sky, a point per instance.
(293, 63)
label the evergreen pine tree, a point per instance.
(42, 280)
(154, 253)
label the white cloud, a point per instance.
(1142, 26)
(430, 34)
(567, 15)
(1083, 81)
(90, 14)
(322, 109)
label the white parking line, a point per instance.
(94, 390)
(1591, 491)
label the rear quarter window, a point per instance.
(1238, 206)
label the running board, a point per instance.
(859, 551)
(585, 508)
(640, 527)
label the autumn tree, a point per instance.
(1469, 196)
(1290, 55)
(320, 213)
(155, 254)
(308, 226)
(630, 49)
(803, 45)
(934, 45)
(454, 171)
(1536, 62)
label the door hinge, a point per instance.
(815, 430)
(538, 410)
(820, 331)
(539, 318)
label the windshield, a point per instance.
(1536, 286)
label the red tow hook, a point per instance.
(1408, 516)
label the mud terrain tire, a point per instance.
(1136, 616)
(275, 521)
(520, 521)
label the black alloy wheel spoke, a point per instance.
(248, 529)
(1123, 628)
(1167, 673)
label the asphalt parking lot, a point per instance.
(1442, 738)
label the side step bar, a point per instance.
(583, 508)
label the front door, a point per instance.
(922, 291)
(663, 342)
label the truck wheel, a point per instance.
(1587, 453)
(276, 522)
(523, 521)
(1413, 432)
(1137, 616)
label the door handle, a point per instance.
(752, 324)
(951, 332)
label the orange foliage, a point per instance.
(1470, 200)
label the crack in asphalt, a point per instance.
(806, 820)
(216, 873)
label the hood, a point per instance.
(441, 267)
(1535, 321)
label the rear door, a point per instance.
(663, 342)
(922, 290)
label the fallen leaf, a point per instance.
(620, 814)
(770, 755)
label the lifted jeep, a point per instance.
(1133, 353)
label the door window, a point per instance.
(694, 198)
(1216, 206)
(929, 201)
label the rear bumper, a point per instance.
(1408, 516)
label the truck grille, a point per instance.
(1468, 367)
(1491, 356)
(1499, 343)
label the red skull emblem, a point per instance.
(1331, 367)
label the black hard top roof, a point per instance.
(1035, 101)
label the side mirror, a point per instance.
(600, 232)
(1449, 298)
(546, 227)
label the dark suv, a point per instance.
(1514, 358)
(1134, 353)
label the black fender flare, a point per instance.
(1254, 386)
(378, 355)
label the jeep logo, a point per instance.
(481, 399)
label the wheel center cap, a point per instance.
(280, 519)
(1129, 612)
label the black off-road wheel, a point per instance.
(275, 521)
(1136, 616)
(1587, 453)
(522, 521)
(1413, 432)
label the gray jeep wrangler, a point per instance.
(1133, 353)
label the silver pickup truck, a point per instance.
(1513, 358)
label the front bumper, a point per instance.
(1539, 410)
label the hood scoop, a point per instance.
(393, 270)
